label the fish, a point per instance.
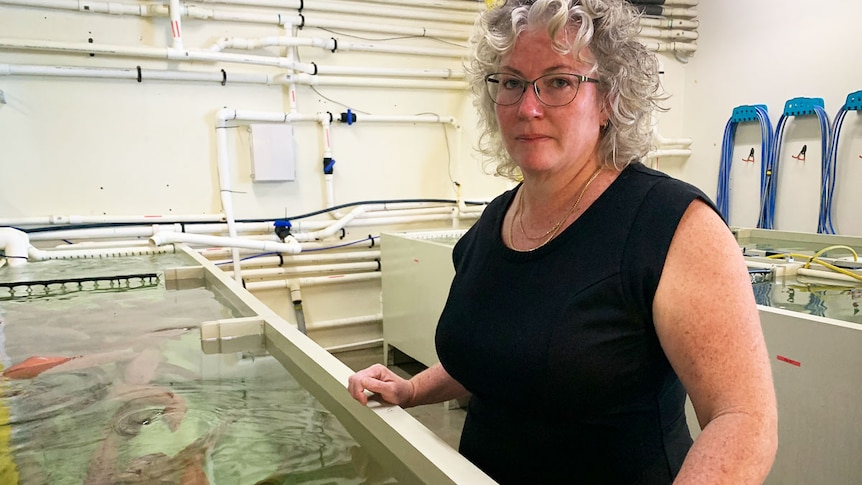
(33, 366)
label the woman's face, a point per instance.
(543, 139)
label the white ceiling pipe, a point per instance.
(54, 254)
(472, 6)
(345, 322)
(310, 80)
(15, 245)
(313, 281)
(196, 12)
(162, 238)
(317, 268)
(361, 10)
(211, 56)
(135, 74)
(682, 35)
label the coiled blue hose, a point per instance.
(799, 107)
(854, 102)
(743, 114)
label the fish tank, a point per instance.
(159, 369)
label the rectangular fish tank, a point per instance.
(160, 369)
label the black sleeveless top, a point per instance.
(569, 383)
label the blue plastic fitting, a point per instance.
(746, 113)
(854, 101)
(802, 106)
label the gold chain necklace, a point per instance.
(552, 232)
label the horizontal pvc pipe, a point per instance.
(104, 244)
(360, 118)
(360, 9)
(365, 344)
(829, 275)
(140, 75)
(306, 258)
(346, 322)
(307, 79)
(99, 233)
(474, 7)
(79, 219)
(312, 281)
(668, 46)
(211, 56)
(161, 238)
(334, 45)
(668, 153)
(318, 268)
(682, 35)
(155, 10)
(669, 23)
(44, 255)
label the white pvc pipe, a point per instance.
(45, 255)
(79, 219)
(176, 25)
(474, 7)
(308, 79)
(669, 23)
(313, 281)
(318, 268)
(668, 46)
(332, 228)
(829, 275)
(196, 12)
(103, 244)
(668, 34)
(681, 152)
(305, 258)
(15, 245)
(211, 56)
(99, 233)
(360, 9)
(162, 238)
(346, 322)
(135, 74)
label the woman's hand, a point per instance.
(382, 381)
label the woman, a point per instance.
(588, 300)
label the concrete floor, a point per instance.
(446, 421)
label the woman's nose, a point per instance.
(530, 105)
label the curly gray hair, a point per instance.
(627, 71)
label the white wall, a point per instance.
(116, 147)
(767, 52)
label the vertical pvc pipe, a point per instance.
(176, 25)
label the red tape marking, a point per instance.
(789, 361)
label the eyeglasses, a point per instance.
(555, 89)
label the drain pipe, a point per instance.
(14, 244)
(296, 297)
(291, 247)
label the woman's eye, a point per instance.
(512, 83)
(559, 82)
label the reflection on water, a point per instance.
(134, 400)
(812, 298)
